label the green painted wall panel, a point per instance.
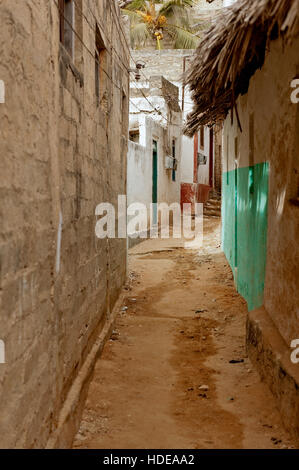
(244, 229)
(228, 217)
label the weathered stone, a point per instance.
(272, 357)
(62, 154)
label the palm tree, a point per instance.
(159, 18)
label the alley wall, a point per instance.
(63, 151)
(262, 161)
(261, 224)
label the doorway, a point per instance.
(155, 182)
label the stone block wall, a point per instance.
(62, 153)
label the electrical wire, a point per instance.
(89, 51)
(83, 44)
(92, 27)
(102, 31)
(132, 58)
(128, 47)
(100, 65)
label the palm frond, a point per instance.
(136, 5)
(183, 38)
(139, 34)
(178, 12)
(180, 18)
(172, 16)
(170, 7)
(133, 15)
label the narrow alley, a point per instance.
(149, 188)
(175, 373)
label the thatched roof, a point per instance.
(230, 53)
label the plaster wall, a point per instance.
(187, 174)
(139, 174)
(269, 156)
(140, 164)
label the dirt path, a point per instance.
(165, 379)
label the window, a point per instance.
(67, 25)
(202, 137)
(134, 135)
(174, 160)
(100, 64)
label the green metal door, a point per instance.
(236, 223)
(155, 181)
(244, 228)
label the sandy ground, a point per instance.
(165, 379)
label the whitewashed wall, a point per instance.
(228, 3)
(140, 158)
(203, 170)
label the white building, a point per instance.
(154, 155)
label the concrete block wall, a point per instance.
(167, 62)
(61, 155)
